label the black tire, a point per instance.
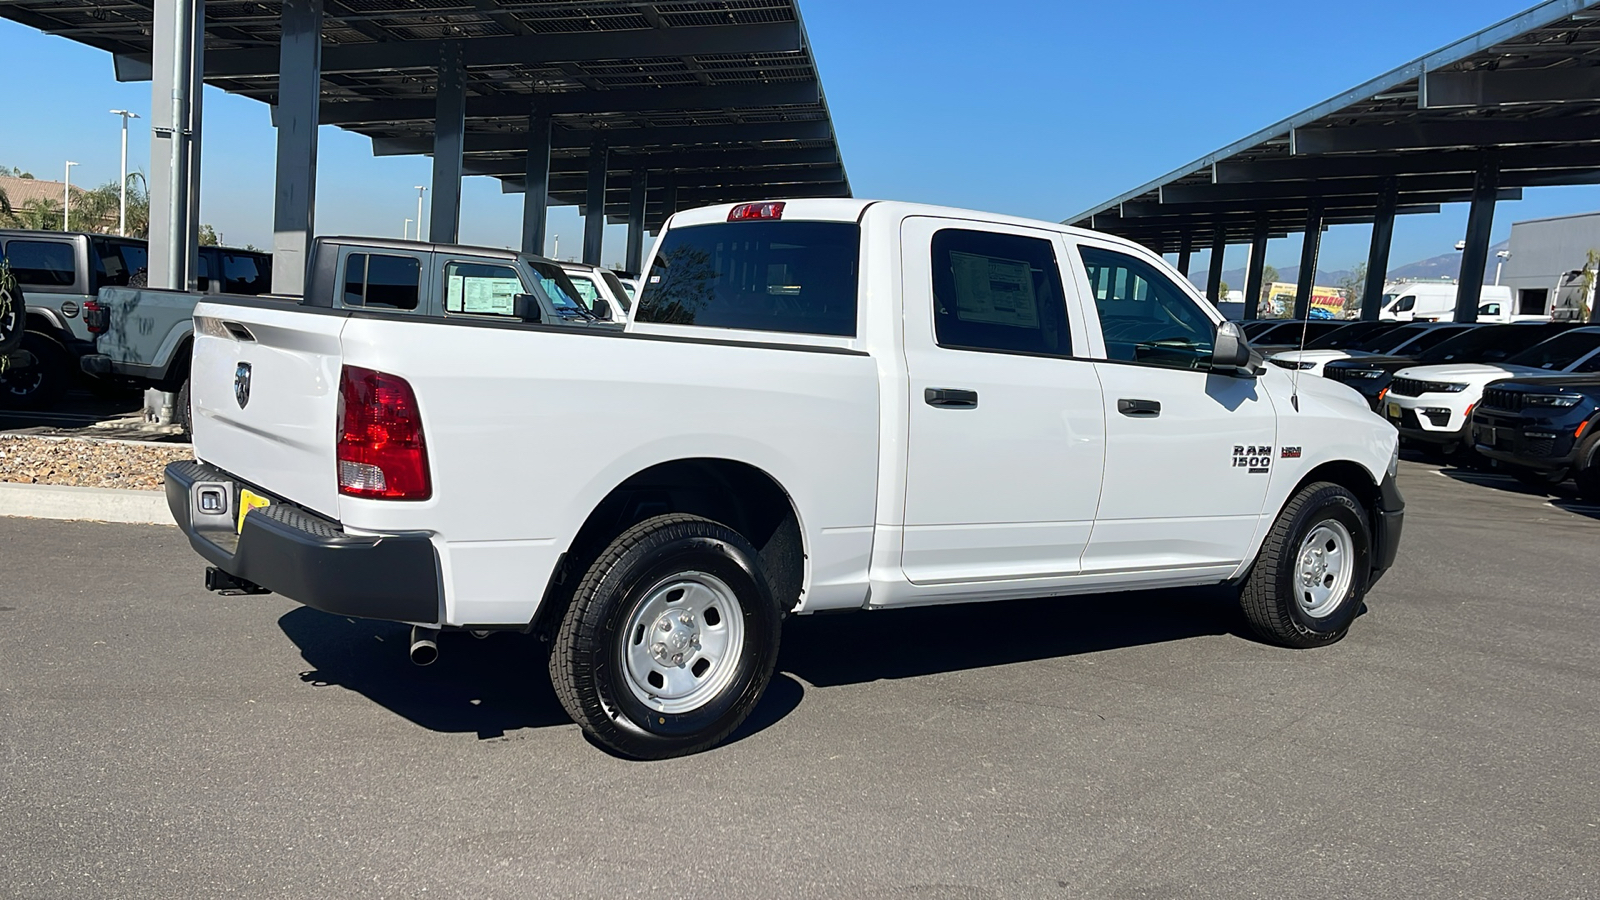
(1269, 597)
(13, 314)
(1539, 479)
(587, 663)
(1586, 472)
(182, 410)
(40, 383)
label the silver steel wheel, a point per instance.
(1323, 568)
(683, 642)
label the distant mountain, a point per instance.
(1447, 265)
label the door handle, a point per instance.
(951, 398)
(1140, 409)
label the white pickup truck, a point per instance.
(818, 405)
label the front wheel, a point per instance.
(1308, 580)
(670, 639)
(38, 384)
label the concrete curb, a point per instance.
(54, 501)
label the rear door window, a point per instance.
(45, 263)
(797, 277)
(380, 281)
(998, 292)
(480, 288)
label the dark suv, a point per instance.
(1370, 375)
(1544, 429)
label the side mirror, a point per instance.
(526, 308)
(1231, 350)
(601, 309)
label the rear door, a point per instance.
(1006, 441)
(1188, 452)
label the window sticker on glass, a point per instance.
(480, 289)
(994, 290)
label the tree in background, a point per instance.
(209, 236)
(1351, 286)
(1586, 287)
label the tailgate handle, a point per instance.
(1142, 409)
(238, 331)
(951, 398)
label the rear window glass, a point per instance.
(41, 262)
(374, 280)
(797, 277)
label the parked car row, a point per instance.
(62, 274)
(1523, 396)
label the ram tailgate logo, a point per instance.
(241, 384)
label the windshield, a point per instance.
(1293, 332)
(1253, 330)
(1349, 335)
(617, 289)
(1392, 340)
(557, 286)
(1476, 343)
(1559, 352)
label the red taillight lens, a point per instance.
(756, 211)
(381, 452)
(94, 317)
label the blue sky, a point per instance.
(1039, 108)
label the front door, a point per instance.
(1188, 451)
(1005, 445)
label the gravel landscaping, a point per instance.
(132, 465)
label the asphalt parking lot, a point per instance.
(162, 742)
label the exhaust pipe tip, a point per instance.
(424, 645)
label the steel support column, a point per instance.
(669, 196)
(1310, 253)
(1185, 252)
(299, 93)
(636, 198)
(1253, 275)
(449, 130)
(536, 193)
(594, 206)
(175, 103)
(1219, 249)
(1475, 256)
(1378, 255)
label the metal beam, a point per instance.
(1310, 252)
(675, 99)
(1475, 255)
(295, 189)
(1219, 249)
(636, 196)
(449, 104)
(1185, 252)
(618, 138)
(1255, 271)
(1504, 87)
(594, 211)
(536, 172)
(1305, 168)
(1445, 135)
(1294, 207)
(1378, 257)
(573, 47)
(742, 158)
(776, 179)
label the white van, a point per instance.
(1434, 301)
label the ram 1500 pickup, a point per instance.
(818, 405)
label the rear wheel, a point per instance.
(182, 411)
(1308, 580)
(13, 312)
(670, 639)
(40, 381)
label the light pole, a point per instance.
(66, 198)
(405, 231)
(420, 191)
(122, 206)
(1503, 255)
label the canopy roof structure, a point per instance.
(1515, 105)
(717, 99)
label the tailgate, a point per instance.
(141, 321)
(265, 393)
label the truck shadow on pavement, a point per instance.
(500, 684)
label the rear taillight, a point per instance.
(95, 317)
(381, 452)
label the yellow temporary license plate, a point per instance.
(1394, 410)
(247, 502)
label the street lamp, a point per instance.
(1504, 255)
(122, 206)
(66, 198)
(420, 191)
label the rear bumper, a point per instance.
(1389, 521)
(311, 560)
